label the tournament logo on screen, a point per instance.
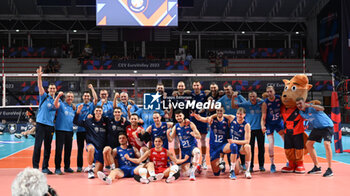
(136, 12)
(137, 5)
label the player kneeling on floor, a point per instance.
(158, 166)
(125, 168)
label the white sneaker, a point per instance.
(159, 176)
(91, 174)
(204, 166)
(103, 177)
(18, 135)
(87, 169)
(170, 179)
(144, 180)
(248, 175)
(192, 177)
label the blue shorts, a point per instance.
(187, 151)
(98, 155)
(274, 127)
(215, 151)
(128, 170)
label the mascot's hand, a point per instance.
(315, 102)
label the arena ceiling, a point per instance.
(203, 10)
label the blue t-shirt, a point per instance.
(147, 116)
(160, 132)
(185, 137)
(253, 116)
(122, 161)
(317, 119)
(273, 111)
(107, 108)
(46, 111)
(65, 116)
(95, 130)
(237, 131)
(124, 108)
(218, 132)
(226, 102)
(88, 108)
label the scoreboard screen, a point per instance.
(136, 12)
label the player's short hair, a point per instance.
(178, 112)
(87, 92)
(98, 107)
(299, 99)
(213, 83)
(134, 114)
(160, 84)
(158, 137)
(196, 81)
(270, 87)
(241, 110)
(155, 112)
(250, 92)
(52, 84)
(122, 133)
(70, 92)
(227, 85)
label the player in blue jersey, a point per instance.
(45, 123)
(187, 136)
(147, 116)
(125, 168)
(159, 129)
(219, 132)
(88, 108)
(64, 131)
(253, 108)
(239, 140)
(116, 126)
(199, 96)
(322, 128)
(271, 120)
(95, 137)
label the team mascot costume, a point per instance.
(295, 136)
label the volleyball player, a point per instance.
(271, 120)
(158, 167)
(133, 132)
(125, 168)
(187, 136)
(95, 138)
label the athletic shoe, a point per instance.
(262, 169)
(192, 177)
(46, 171)
(170, 179)
(204, 166)
(80, 169)
(103, 177)
(315, 170)
(108, 168)
(87, 169)
(199, 169)
(273, 168)
(232, 175)
(69, 170)
(159, 176)
(58, 172)
(152, 178)
(328, 173)
(300, 169)
(18, 135)
(222, 166)
(144, 180)
(248, 175)
(91, 174)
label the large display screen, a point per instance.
(136, 12)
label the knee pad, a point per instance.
(203, 142)
(234, 148)
(174, 168)
(142, 171)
